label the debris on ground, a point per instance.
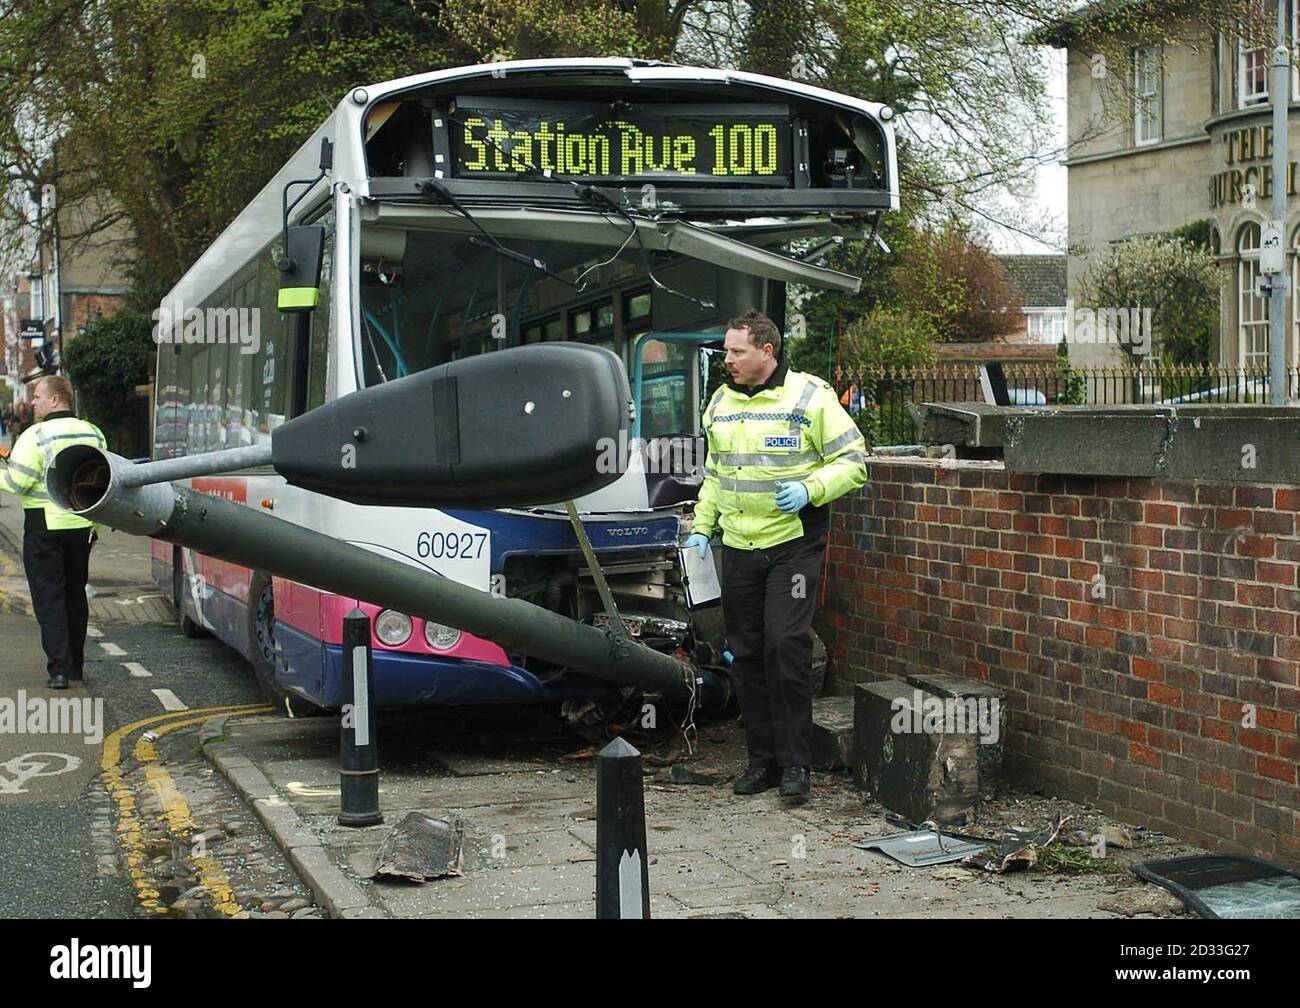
(682, 775)
(1146, 900)
(922, 848)
(1118, 836)
(421, 848)
(1018, 850)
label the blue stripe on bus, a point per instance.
(408, 680)
(314, 669)
(539, 535)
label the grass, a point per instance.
(1075, 860)
(1057, 858)
(198, 746)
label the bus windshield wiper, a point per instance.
(489, 240)
(590, 194)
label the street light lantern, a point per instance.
(521, 426)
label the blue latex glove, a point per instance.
(728, 657)
(700, 541)
(791, 497)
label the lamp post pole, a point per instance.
(1281, 83)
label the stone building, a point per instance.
(1187, 137)
(66, 286)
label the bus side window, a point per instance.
(218, 356)
(244, 363)
(164, 423)
(184, 387)
(198, 401)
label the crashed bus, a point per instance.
(630, 205)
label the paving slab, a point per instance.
(530, 836)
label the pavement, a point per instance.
(120, 587)
(528, 809)
(525, 791)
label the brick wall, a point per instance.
(1144, 632)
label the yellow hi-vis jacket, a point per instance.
(791, 428)
(32, 454)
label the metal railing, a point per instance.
(878, 398)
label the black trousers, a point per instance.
(768, 598)
(57, 565)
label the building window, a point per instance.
(1252, 310)
(1045, 325)
(1146, 94)
(1252, 76)
(1253, 70)
(1295, 303)
(38, 296)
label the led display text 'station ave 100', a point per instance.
(496, 140)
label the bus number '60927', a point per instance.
(450, 545)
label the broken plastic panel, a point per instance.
(1230, 886)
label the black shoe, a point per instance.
(77, 677)
(756, 780)
(795, 783)
(58, 682)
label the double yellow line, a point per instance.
(175, 809)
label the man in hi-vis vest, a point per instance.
(781, 448)
(56, 544)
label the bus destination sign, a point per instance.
(717, 144)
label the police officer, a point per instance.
(780, 449)
(56, 544)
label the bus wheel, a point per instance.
(189, 627)
(265, 652)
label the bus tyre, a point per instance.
(265, 654)
(189, 628)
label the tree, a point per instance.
(106, 363)
(951, 278)
(813, 346)
(179, 111)
(1178, 282)
(890, 337)
(944, 281)
(530, 29)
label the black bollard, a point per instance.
(622, 870)
(358, 749)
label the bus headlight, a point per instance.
(393, 628)
(441, 638)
